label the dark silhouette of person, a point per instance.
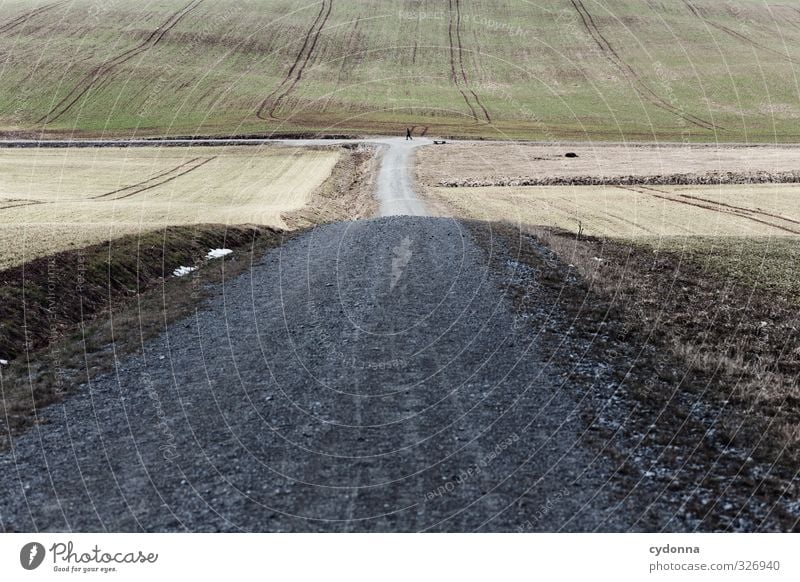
(408, 133)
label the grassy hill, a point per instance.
(574, 69)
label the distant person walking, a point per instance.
(408, 133)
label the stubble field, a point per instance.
(53, 200)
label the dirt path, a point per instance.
(395, 192)
(364, 376)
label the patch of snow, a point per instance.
(3, 362)
(181, 271)
(598, 259)
(218, 253)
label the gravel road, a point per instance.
(365, 376)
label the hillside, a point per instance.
(559, 69)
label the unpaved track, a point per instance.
(349, 381)
(395, 189)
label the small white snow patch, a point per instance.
(3, 362)
(217, 253)
(181, 271)
(598, 259)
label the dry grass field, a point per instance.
(635, 211)
(58, 199)
(491, 162)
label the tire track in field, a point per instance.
(149, 185)
(738, 35)
(97, 74)
(144, 183)
(633, 77)
(23, 18)
(271, 103)
(664, 195)
(346, 66)
(23, 203)
(457, 56)
(758, 211)
(788, 21)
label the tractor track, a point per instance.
(24, 203)
(169, 179)
(742, 208)
(461, 62)
(627, 71)
(747, 214)
(23, 18)
(99, 73)
(271, 103)
(146, 182)
(456, 54)
(738, 35)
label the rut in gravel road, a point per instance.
(365, 376)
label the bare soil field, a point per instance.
(471, 163)
(53, 200)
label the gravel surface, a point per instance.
(366, 376)
(395, 191)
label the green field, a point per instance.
(574, 69)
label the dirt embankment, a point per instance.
(59, 314)
(346, 195)
(708, 363)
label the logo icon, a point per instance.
(32, 555)
(402, 255)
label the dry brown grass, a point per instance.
(634, 211)
(57, 199)
(478, 161)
